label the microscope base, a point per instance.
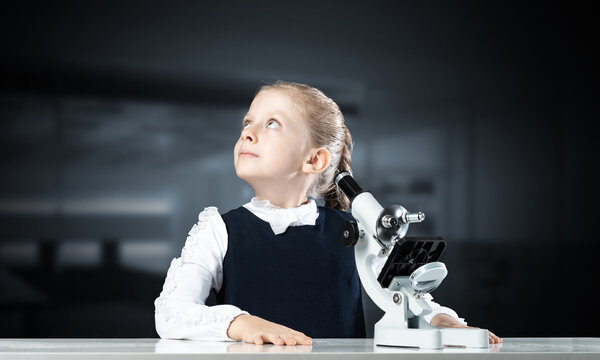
(391, 332)
(471, 338)
(421, 338)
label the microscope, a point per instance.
(410, 272)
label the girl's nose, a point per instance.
(248, 135)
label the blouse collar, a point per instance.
(279, 218)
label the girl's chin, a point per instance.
(250, 176)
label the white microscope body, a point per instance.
(378, 236)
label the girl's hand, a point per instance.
(443, 320)
(254, 330)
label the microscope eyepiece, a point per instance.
(346, 183)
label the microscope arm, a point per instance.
(369, 215)
(365, 251)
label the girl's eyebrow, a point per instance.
(277, 112)
(278, 115)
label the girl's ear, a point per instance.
(318, 161)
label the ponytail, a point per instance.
(334, 197)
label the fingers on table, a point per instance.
(279, 339)
(494, 339)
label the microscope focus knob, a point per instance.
(348, 233)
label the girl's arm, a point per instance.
(438, 309)
(443, 320)
(180, 310)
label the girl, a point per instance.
(275, 262)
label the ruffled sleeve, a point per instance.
(180, 310)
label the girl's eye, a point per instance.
(272, 124)
(245, 124)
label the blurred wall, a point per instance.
(118, 122)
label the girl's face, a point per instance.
(274, 142)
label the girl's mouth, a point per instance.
(247, 154)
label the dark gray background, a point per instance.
(119, 119)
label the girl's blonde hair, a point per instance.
(327, 129)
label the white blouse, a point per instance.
(180, 310)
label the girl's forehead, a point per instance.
(274, 101)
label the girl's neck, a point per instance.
(288, 193)
(285, 197)
(282, 200)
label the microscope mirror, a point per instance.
(428, 277)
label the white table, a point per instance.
(522, 348)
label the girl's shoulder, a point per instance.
(206, 239)
(209, 216)
(329, 211)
